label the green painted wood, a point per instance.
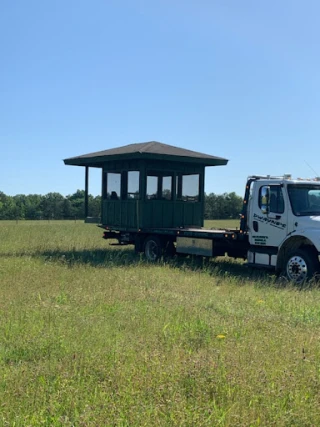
(135, 214)
(117, 213)
(132, 214)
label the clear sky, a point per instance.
(236, 79)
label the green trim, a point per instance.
(100, 161)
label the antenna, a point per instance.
(311, 169)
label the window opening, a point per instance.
(190, 188)
(276, 201)
(304, 199)
(133, 185)
(167, 187)
(152, 187)
(113, 185)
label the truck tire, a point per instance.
(301, 265)
(153, 248)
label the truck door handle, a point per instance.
(275, 217)
(255, 226)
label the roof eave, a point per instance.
(99, 161)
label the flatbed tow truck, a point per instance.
(153, 198)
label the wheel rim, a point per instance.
(152, 250)
(297, 269)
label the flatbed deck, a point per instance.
(202, 233)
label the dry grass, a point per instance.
(94, 336)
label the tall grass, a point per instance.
(93, 335)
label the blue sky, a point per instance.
(236, 79)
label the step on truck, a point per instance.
(153, 199)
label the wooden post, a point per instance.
(103, 192)
(202, 195)
(86, 196)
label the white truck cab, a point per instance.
(283, 225)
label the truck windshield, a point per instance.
(304, 199)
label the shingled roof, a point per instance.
(145, 150)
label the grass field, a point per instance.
(92, 335)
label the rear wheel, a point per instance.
(301, 265)
(153, 248)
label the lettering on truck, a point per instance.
(270, 221)
(260, 240)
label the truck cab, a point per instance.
(283, 225)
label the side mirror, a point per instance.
(264, 199)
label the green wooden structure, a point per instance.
(149, 185)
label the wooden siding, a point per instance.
(134, 214)
(142, 213)
(120, 213)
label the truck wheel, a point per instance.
(153, 248)
(301, 265)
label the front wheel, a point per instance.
(153, 248)
(301, 265)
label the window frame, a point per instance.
(106, 184)
(136, 195)
(180, 188)
(160, 176)
(280, 210)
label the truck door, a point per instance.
(268, 216)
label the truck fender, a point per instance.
(291, 244)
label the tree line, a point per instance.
(56, 206)
(49, 206)
(222, 206)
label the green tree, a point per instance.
(52, 206)
(227, 205)
(77, 203)
(33, 207)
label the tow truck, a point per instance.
(153, 198)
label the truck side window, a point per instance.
(276, 202)
(276, 199)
